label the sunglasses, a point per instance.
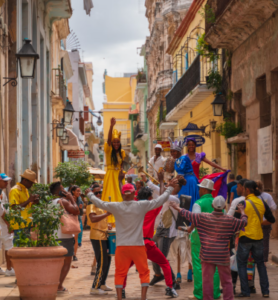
(98, 193)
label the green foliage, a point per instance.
(204, 49)
(74, 172)
(214, 81)
(229, 129)
(45, 219)
(208, 14)
(203, 172)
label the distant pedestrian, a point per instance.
(234, 189)
(251, 239)
(231, 183)
(6, 237)
(19, 197)
(215, 230)
(66, 240)
(266, 228)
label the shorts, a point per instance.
(7, 241)
(68, 244)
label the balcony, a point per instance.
(164, 81)
(236, 20)
(141, 79)
(58, 84)
(189, 91)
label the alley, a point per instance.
(79, 280)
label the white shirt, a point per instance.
(166, 206)
(234, 204)
(130, 216)
(269, 200)
(159, 163)
(3, 226)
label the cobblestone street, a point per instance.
(79, 280)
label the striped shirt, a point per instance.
(215, 230)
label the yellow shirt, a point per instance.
(253, 230)
(98, 229)
(108, 152)
(19, 194)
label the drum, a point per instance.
(111, 242)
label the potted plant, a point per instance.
(38, 262)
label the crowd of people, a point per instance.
(145, 218)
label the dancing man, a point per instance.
(98, 237)
(129, 216)
(203, 205)
(153, 252)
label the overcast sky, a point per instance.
(110, 37)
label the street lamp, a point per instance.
(60, 129)
(27, 59)
(63, 137)
(218, 105)
(99, 121)
(66, 140)
(68, 112)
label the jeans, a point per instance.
(257, 249)
(163, 244)
(225, 279)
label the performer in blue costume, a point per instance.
(184, 167)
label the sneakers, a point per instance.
(171, 292)
(156, 279)
(106, 288)
(2, 272)
(98, 292)
(176, 286)
(123, 295)
(74, 258)
(10, 272)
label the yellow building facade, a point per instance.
(194, 106)
(118, 97)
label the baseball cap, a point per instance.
(127, 188)
(219, 202)
(4, 177)
(158, 146)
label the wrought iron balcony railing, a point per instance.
(58, 84)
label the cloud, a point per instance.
(110, 37)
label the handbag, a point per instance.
(70, 223)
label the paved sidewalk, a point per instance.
(79, 280)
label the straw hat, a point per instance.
(207, 184)
(29, 175)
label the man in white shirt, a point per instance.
(6, 237)
(236, 201)
(157, 161)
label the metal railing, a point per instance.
(58, 84)
(141, 77)
(196, 74)
(217, 10)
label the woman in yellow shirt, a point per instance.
(114, 155)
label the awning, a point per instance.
(191, 127)
(98, 173)
(73, 142)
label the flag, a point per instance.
(220, 183)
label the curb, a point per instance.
(275, 258)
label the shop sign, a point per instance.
(198, 138)
(76, 154)
(165, 145)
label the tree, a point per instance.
(74, 172)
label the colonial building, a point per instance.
(248, 30)
(164, 18)
(29, 103)
(189, 101)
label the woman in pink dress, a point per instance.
(197, 158)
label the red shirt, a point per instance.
(148, 225)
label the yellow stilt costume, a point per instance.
(111, 181)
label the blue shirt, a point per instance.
(233, 190)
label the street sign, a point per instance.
(198, 138)
(76, 154)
